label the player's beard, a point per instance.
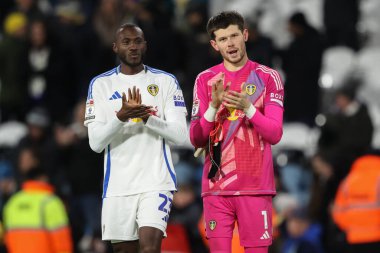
(132, 64)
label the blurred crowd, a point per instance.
(327, 52)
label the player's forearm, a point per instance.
(101, 134)
(173, 129)
(269, 126)
(200, 129)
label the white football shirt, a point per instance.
(137, 158)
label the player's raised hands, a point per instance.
(218, 91)
(134, 96)
(132, 108)
(237, 100)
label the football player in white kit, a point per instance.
(132, 112)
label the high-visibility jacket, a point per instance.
(35, 221)
(357, 203)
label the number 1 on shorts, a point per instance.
(264, 213)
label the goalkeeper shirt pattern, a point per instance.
(137, 159)
(246, 157)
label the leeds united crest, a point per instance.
(212, 224)
(153, 89)
(250, 89)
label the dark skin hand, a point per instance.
(132, 108)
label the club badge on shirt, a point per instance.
(250, 89)
(153, 89)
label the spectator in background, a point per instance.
(347, 132)
(83, 170)
(49, 67)
(259, 47)
(28, 158)
(295, 176)
(155, 18)
(107, 18)
(7, 177)
(198, 53)
(356, 207)
(340, 18)
(30, 8)
(346, 135)
(74, 33)
(39, 138)
(302, 235)
(13, 92)
(38, 135)
(35, 219)
(301, 62)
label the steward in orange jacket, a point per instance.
(35, 219)
(357, 203)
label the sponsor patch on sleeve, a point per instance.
(90, 110)
(277, 98)
(195, 109)
(178, 100)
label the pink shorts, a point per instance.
(252, 213)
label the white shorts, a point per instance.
(123, 216)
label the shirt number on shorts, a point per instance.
(264, 213)
(162, 206)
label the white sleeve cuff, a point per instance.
(250, 111)
(209, 115)
(154, 122)
(174, 131)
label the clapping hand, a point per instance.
(237, 100)
(134, 96)
(218, 91)
(132, 108)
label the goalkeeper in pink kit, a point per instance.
(237, 115)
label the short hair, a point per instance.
(223, 20)
(350, 88)
(299, 18)
(127, 26)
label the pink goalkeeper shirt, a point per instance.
(246, 156)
